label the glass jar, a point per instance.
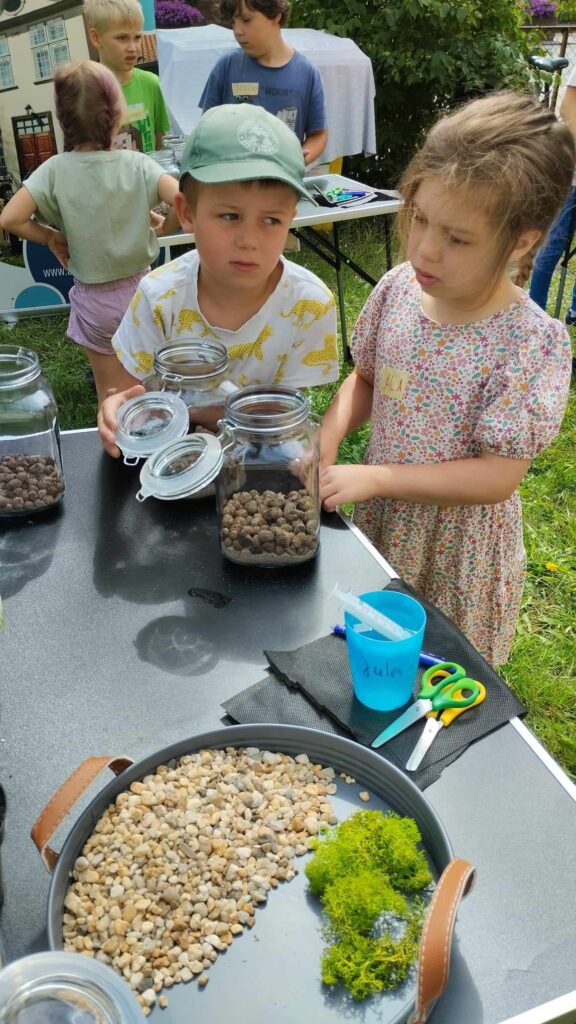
(265, 463)
(65, 988)
(268, 489)
(197, 371)
(175, 144)
(31, 478)
(166, 159)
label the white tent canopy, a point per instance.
(186, 57)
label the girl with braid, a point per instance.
(463, 377)
(94, 202)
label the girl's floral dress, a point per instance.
(457, 391)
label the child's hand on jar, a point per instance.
(107, 421)
(341, 484)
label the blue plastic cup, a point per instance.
(384, 671)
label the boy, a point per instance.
(115, 29)
(269, 73)
(242, 174)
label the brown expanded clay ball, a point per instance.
(268, 525)
(28, 482)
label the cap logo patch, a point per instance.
(258, 138)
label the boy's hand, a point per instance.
(340, 484)
(58, 245)
(107, 422)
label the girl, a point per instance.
(101, 198)
(463, 377)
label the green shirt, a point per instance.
(146, 111)
(101, 201)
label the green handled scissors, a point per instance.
(437, 720)
(440, 688)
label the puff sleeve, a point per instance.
(527, 394)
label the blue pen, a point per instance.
(425, 657)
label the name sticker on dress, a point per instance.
(245, 88)
(393, 382)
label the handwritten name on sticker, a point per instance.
(393, 382)
(381, 672)
(245, 89)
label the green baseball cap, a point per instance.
(241, 142)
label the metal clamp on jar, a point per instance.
(31, 478)
(265, 464)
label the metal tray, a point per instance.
(272, 972)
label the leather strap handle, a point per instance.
(435, 945)
(64, 799)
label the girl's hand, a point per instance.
(58, 245)
(340, 484)
(107, 422)
(156, 222)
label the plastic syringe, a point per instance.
(370, 616)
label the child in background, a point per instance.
(115, 29)
(269, 73)
(242, 173)
(562, 230)
(101, 199)
(463, 377)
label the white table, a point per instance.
(305, 224)
(186, 57)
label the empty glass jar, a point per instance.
(195, 370)
(31, 477)
(65, 988)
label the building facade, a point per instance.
(36, 36)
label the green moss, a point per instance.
(361, 870)
(372, 840)
(355, 903)
(366, 965)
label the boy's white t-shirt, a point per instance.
(291, 340)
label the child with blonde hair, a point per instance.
(463, 378)
(115, 30)
(100, 198)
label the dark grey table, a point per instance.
(107, 652)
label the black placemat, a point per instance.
(316, 679)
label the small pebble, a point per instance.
(203, 980)
(364, 795)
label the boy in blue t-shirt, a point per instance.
(269, 73)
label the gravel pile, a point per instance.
(177, 866)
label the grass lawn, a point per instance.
(542, 668)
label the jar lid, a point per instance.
(65, 988)
(147, 422)
(181, 468)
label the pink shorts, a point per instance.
(97, 309)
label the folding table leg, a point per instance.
(340, 286)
